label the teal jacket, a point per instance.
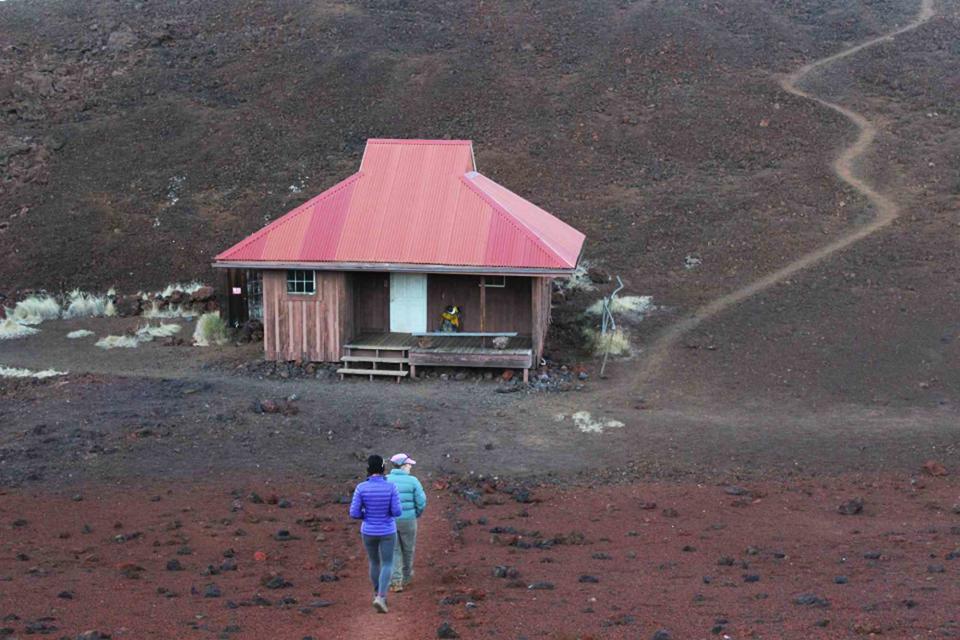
(412, 498)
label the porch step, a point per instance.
(373, 359)
(376, 347)
(396, 373)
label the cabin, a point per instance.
(363, 273)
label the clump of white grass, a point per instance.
(118, 342)
(579, 280)
(614, 343)
(188, 287)
(35, 309)
(110, 310)
(635, 306)
(588, 424)
(79, 333)
(143, 334)
(211, 329)
(85, 305)
(148, 333)
(10, 329)
(176, 311)
(11, 372)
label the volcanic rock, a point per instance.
(851, 507)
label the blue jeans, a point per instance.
(380, 555)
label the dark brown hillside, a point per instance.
(141, 137)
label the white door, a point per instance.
(408, 302)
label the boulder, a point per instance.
(203, 294)
(122, 38)
(127, 306)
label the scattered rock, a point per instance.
(275, 581)
(445, 630)
(851, 507)
(661, 634)
(212, 591)
(934, 468)
(588, 579)
(174, 565)
(541, 586)
(811, 600)
(283, 535)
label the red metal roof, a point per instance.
(416, 202)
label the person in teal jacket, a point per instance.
(413, 501)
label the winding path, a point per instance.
(886, 209)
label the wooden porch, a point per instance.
(399, 354)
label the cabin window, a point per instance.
(255, 295)
(301, 282)
(495, 282)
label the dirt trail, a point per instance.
(886, 208)
(408, 610)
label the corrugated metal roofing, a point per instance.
(416, 202)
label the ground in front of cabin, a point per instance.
(254, 558)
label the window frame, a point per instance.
(495, 285)
(293, 279)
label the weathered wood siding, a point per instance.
(307, 327)
(507, 308)
(371, 301)
(540, 308)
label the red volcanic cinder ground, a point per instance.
(762, 560)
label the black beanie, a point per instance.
(374, 465)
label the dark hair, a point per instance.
(374, 465)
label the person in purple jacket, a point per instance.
(377, 503)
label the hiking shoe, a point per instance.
(380, 604)
(396, 587)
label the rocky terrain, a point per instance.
(848, 557)
(780, 465)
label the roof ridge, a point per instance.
(290, 215)
(419, 141)
(504, 211)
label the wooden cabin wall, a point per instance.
(507, 309)
(371, 291)
(541, 303)
(463, 291)
(307, 327)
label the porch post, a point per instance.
(483, 305)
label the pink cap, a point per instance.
(401, 459)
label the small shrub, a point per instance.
(614, 343)
(189, 287)
(579, 280)
(10, 372)
(118, 342)
(148, 333)
(176, 311)
(35, 309)
(85, 305)
(10, 329)
(635, 306)
(211, 330)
